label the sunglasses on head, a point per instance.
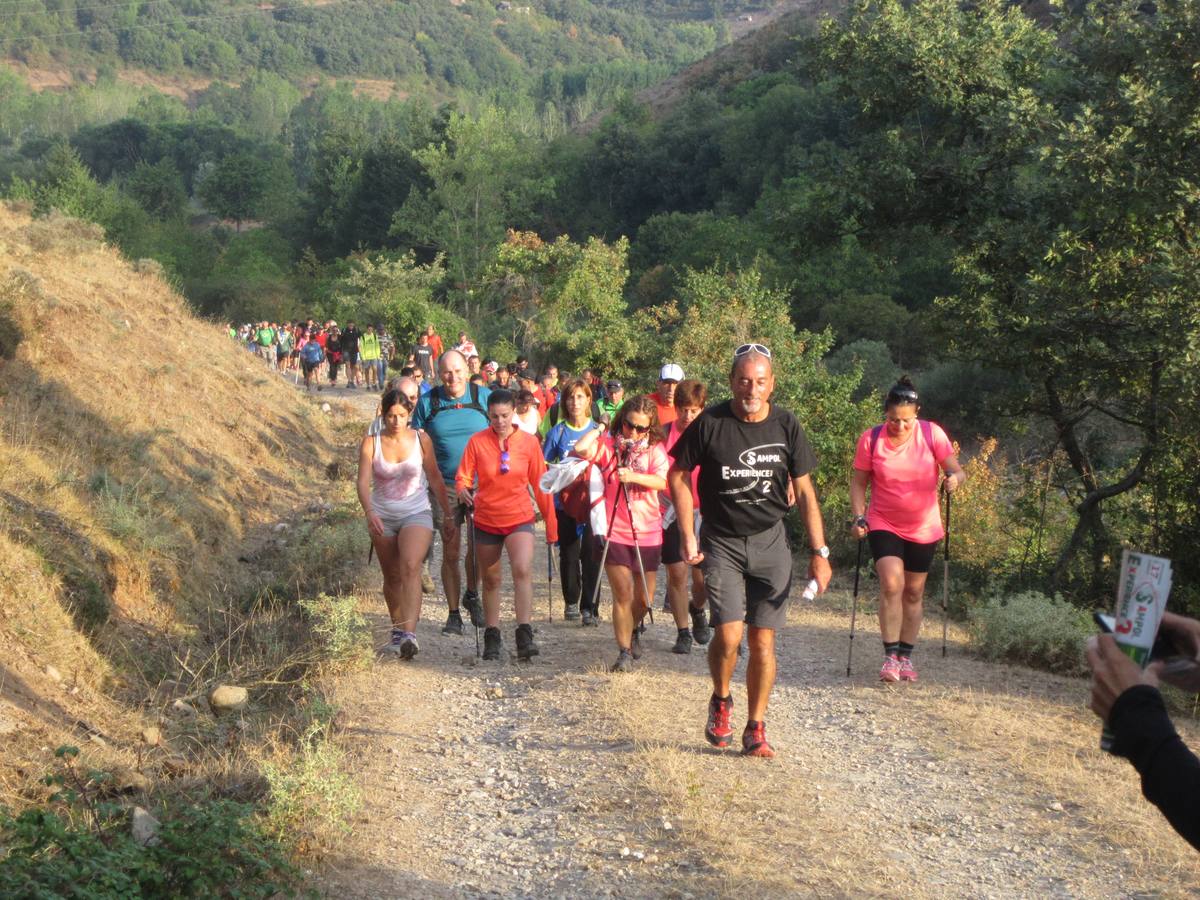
(751, 348)
(905, 394)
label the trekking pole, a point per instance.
(549, 584)
(854, 608)
(946, 577)
(474, 565)
(603, 556)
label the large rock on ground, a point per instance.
(228, 698)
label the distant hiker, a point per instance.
(450, 414)
(465, 346)
(265, 336)
(612, 402)
(370, 355)
(690, 397)
(502, 379)
(748, 451)
(901, 461)
(501, 465)
(435, 342)
(350, 338)
(311, 357)
(475, 365)
(396, 469)
(634, 464)
(283, 347)
(423, 356)
(579, 568)
(333, 354)
(525, 415)
(664, 398)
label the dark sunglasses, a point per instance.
(751, 348)
(636, 429)
(504, 462)
(904, 394)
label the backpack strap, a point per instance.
(439, 401)
(926, 430)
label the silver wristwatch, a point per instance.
(822, 551)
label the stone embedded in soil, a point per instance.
(152, 736)
(228, 698)
(53, 674)
(145, 827)
(183, 708)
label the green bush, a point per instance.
(343, 631)
(312, 797)
(81, 846)
(1032, 629)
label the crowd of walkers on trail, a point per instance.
(477, 452)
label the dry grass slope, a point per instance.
(140, 449)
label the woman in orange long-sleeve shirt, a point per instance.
(499, 467)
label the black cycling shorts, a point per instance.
(917, 557)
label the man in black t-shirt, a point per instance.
(350, 353)
(422, 355)
(748, 453)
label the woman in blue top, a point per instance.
(579, 569)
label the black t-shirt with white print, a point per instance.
(744, 467)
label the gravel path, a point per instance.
(555, 779)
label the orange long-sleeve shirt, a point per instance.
(502, 501)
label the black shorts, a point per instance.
(917, 557)
(350, 359)
(672, 544)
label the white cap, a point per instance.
(671, 372)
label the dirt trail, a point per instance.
(555, 778)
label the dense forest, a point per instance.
(1005, 208)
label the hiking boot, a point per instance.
(891, 669)
(701, 633)
(718, 731)
(635, 646)
(683, 642)
(754, 741)
(397, 639)
(526, 648)
(908, 672)
(624, 662)
(427, 586)
(572, 611)
(408, 645)
(589, 618)
(473, 606)
(492, 643)
(454, 623)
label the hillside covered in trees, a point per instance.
(1005, 207)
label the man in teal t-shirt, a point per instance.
(450, 414)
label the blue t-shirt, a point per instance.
(559, 441)
(452, 427)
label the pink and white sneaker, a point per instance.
(908, 672)
(891, 669)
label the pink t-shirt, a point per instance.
(673, 435)
(904, 483)
(647, 515)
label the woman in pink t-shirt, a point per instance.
(634, 463)
(902, 461)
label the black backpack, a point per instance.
(439, 401)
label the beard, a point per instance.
(751, 405)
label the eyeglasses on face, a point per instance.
(751, 348)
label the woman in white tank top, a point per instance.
(395, 470)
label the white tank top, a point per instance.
(399, 488)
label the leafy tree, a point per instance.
(158, 189)
(237, 187)
(484, 178)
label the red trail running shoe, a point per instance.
(718, 731)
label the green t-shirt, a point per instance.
(266, 337)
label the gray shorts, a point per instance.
(392, 524)
(748, 578)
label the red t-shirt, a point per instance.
(666, 414)
(904, 482)
(435, 341)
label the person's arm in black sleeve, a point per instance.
(1170, 772)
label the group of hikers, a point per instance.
(318, 351)
(626, 485)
